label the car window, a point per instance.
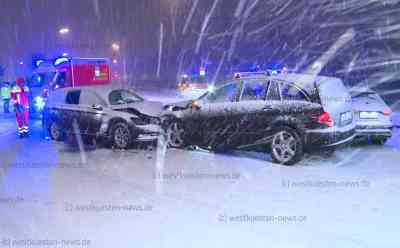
(118, 97)
(226, 93)
(90, 98)
(73, 97)
(291, 93)
(254, 90)
(273, 92)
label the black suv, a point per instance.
(285, 114)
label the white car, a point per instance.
(373, 116)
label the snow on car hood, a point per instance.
(149, 108)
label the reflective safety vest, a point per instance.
(5, 92)
(20, 95)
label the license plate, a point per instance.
(346, 117)
(368, 115)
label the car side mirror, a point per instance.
(97, 107)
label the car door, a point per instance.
(71, 112)
(92, 112)
(218, 113)
(258, 106)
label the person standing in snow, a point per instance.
(20, 100)
(6, 96)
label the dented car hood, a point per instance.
(149, 108)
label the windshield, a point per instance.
(118, 97)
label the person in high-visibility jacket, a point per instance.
(6, 96)
(20, 100)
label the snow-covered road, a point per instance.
(193, 198)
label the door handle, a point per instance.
(268, 108)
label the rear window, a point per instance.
(73, 97)
(333, 92)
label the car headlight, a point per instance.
(211, 88)
(39, 103)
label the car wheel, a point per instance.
(121, 135)
(379, 140)
(55, 132)
(175, 133)
(286, 146)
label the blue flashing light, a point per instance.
(39, 62)
(60, 60)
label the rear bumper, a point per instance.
(374, 130)
(330, 138)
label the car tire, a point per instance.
(286, 146)
(121, 136)
(55, 131)
(175, 133)
(379, 140)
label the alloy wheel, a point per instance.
(121, 137)
(175, 135)
(284, 146)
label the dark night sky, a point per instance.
(292, 32)
(29, 27)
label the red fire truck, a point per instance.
(66, 72)
(72, 72)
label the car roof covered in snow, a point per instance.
(355, 91)
(101, 90)
(307, 82)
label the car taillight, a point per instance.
(325, 118)
(387, 111)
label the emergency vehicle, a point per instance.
(66, 72)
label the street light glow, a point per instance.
(64, 31)
(115, 46)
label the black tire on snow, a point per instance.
(55, 131)
(295, 144)
(121, 135)
(175, 133)
(379, 140)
